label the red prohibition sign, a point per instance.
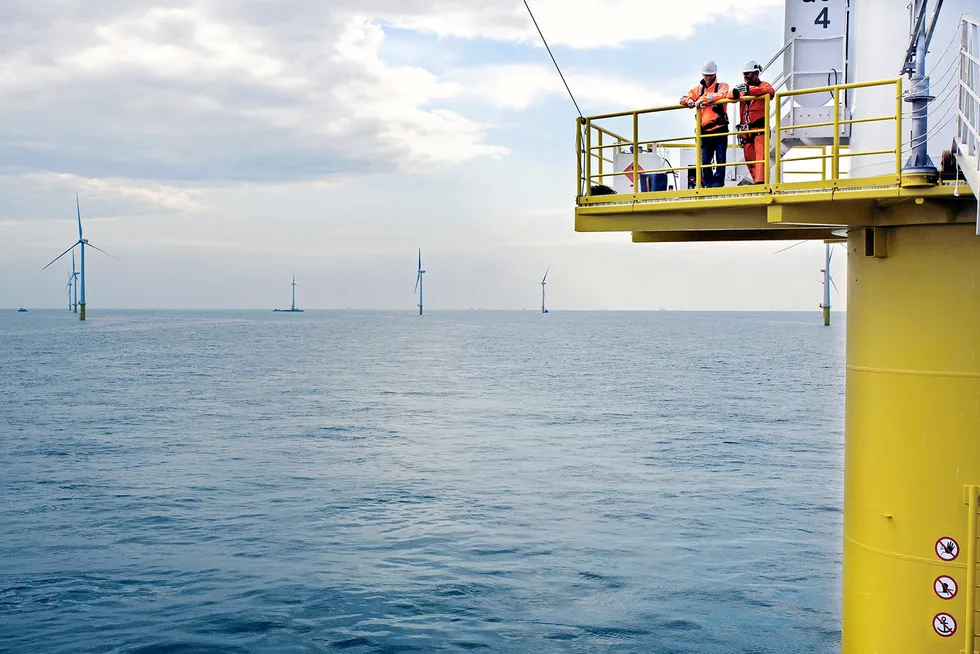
(947, 548)
(944, 625)
(945, 587)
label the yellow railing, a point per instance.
(595, 140)
(837, 153)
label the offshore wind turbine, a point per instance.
(828, 281)
(73, 285)
(418, 281)
(543, 282)
(81, 243)
(292, 308)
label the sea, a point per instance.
(222, 481)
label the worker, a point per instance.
(752, 115)
(713, 120)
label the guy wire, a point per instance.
(557, 67)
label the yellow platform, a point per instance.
(781, 208)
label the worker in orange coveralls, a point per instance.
(714, 120)
(752, 115)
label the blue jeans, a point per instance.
(713, 147)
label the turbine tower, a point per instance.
(418, 281)
(827, 281)
(543, 282)
(80, 242)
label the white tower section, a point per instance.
(814, 55)
(879, 37)
(816, 32)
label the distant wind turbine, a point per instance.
(828, 281)
(418, 281)
(292, 308)
(543, 282)
(80, 242)
(73, 285)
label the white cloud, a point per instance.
(211, 91)
(107, 197)
(519, 86)
(575, 23)
(396, 97)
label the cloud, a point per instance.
(572, 23)
(242, 90)
(519, 86)
(219, 91)
(44, 195)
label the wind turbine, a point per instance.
(80, 242)
(292, 308)
(418, 281)
(828, 281)
(543, 282)
(73, 282)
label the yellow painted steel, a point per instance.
(912, 426)
(826, 316)
(835, 162)
(779, 156)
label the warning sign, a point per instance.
(945, 587)
(631, 175)
(944, 624)
(947, 549)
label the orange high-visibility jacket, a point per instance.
(753, 112)
(711, 116)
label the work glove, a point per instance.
(690, 104)
(742, 89)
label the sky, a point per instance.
(217, 146)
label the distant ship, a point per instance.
(292, 308)
(22, 310)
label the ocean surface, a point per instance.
(184, 481)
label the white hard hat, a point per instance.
(709, 68)
(751, 67)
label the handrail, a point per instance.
(969, 623)
(779, 53)
(595, 146)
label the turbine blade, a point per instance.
(834, 285)
(420, 258)
(78, 211)
(62, 254)
(102, 251)
(791, 246)
(417, 280)
(545, 275)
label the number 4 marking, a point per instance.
(823, 18)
